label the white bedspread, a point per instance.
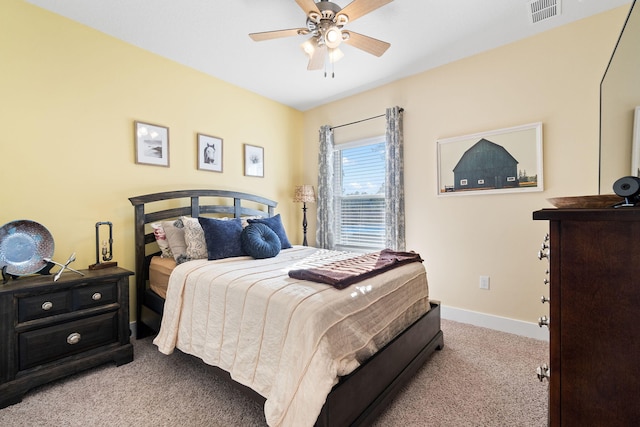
(289, 340)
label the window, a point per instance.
(360, 195)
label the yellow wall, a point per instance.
(552, 78)
(68, 98)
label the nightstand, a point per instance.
(49, 330)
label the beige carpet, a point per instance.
(481, 378)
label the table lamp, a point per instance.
(304, 194)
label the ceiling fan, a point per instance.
(325, 23)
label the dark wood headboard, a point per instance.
(175, 204)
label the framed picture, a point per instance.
(152, 144)
(635, 158)
(209, 153)
(499, 161)
(253, 160)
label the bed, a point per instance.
(365, 383)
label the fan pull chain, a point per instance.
(328, 60)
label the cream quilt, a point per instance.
(287, 339)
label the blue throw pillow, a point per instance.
(260, 241)
(274, 223)
(222, 237)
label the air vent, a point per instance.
(541, 10)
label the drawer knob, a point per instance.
(47, 305)
(543, 321)
(544, 299)
(97, 296)
(74, 338)
(543, 372)
(543, 254)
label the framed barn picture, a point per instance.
(500, 161)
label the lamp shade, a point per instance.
(304, 193)
(333, 37)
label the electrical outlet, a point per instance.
(484, 282)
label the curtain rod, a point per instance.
(360, 121)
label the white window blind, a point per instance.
(360, 195)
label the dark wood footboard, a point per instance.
(362, 395)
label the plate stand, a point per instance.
(44, 271)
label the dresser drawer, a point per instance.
(79, 298)
(95, 295)
(39, 306)
(48, 344)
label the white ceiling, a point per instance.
(212, 36)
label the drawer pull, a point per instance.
(544, 299)
(47, 305)
(97, 296)
(543, 321)
(74, 338)
(543, 372)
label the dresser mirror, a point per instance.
(619, 97)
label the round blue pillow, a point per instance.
(260, 241)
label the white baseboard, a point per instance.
(504, 324)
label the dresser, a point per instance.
(594, 316)
(49, 330)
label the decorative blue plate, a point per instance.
(23, 246)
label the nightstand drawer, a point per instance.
(48, 344)
(94, 295)
(40, 306)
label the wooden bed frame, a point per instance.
(359, 397)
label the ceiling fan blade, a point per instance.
(308, 6)
(268, 35)
(358, 8)
(368, 44)
(316, 61)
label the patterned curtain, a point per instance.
(394, 186)
(326, 214)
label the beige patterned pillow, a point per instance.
(194, 238)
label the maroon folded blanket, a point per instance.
(341, 274)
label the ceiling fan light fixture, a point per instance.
(324, 24)
(335, 55)
(309, 46)
(333, 37)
